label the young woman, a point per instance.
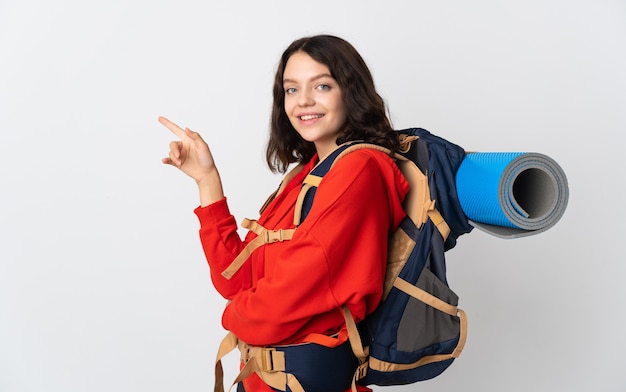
(292, 291)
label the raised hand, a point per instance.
(191, 154)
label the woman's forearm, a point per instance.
(210, 188)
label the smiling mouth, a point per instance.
(307, 117)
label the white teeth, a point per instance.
(310, 117)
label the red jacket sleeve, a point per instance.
(221, 244)
(336, 257)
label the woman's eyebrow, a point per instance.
(320, 76)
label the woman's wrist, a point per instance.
(210, 188)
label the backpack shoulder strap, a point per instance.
(312, 181)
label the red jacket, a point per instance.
(288, 290)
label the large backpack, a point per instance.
(417, 331)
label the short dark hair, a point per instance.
(365, 109)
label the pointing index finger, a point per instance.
(178, 131)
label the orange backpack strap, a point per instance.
(309, 182)
(417, 202)
(360, 352)
(264, 236)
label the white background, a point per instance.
(103, 285)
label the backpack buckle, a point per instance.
(361, 371)
(267, 365)
(272, 236)
(272, 360)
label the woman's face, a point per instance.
(313, 102)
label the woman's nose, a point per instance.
(305, 98)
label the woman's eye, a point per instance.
(323, 87)
(290, 90)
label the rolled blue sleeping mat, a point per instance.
(511, 194)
